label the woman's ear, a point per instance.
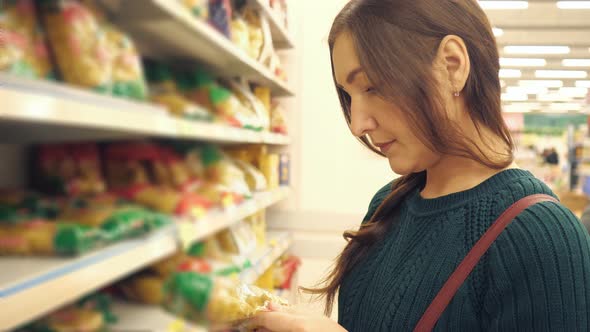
(453, 60)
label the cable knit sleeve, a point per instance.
(539, 274)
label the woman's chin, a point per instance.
(400, 167)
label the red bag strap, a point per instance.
(445, 295)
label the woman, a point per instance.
(418, 83)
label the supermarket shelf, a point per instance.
(280, 36)
(148, 318)
(279, 243)
(141, 317)
(165, 29)
(41, 111)
(33, 286)
(193, 231)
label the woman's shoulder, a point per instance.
(377, 199)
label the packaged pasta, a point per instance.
(199, 8)
(227, 106)
(126, 222)
(253, 114)
(91, 314)
(220, 302)
(164, 91)
(41, 237)
(222, 170)
(71, 169)
(80, 45)
(278, 123)
(23, 48)
(91, 212)
(127, 72)
(144, 288)
(195, 86)
(240, 34)
(20, 206)
(254, 177)
(220, 14)
(256, 35)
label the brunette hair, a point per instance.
(396, 42)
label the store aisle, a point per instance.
(311, 271)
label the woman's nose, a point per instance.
(361, 120)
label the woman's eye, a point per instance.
(370, 90)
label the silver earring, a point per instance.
(456, 94)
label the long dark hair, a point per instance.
(396, 42)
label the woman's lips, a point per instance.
(384, 147)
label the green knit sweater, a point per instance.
(535, 277)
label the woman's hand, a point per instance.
(287, 319)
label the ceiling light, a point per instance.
(522, 62)
(497, 31)
(560, 74)
(518, 49)
(576, 62)
(572, 92)
(510, 73)
(530, 90)
(515, 97)
(583, 84)
(504, 4)
(573, 4)
(543, 83)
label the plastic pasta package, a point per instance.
(128, 222)
(41, 237)
(220, 13)
(23, 48)
(70, 319)
(89, 212)
(164, 91)
(222, 170)
(91, 314)
(195, 85)
(256, 117)
(20, 206)
(217, 301)
(144, 288)
(227, 106)
(72, 169)
(165, 200)
(199, 8)
(128, 79)
(79, 43)
(278, 124)
(148, 286)
(254, 177)
(240, 34)
(256, 35)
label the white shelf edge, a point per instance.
(194, 231)
(43, 284)
(285, 41)
(141, 317)
(42, 102)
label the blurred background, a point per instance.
(161, 157)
